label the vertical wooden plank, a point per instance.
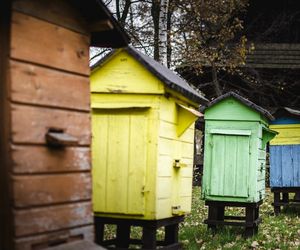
(100, 135)
(242, 168)
(275, 166)
(217, 165)
(287, 166)
(296, 165)
(118, 149)
(230, 165)
(137, 163)
(5, 199)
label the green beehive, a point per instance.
(236, 134)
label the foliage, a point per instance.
(189, 30)
(275, 232)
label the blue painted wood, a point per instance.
(296, 165)
(285, 166)
(275, 166)
(285, 120)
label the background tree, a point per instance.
(212, 35)
(176, 31)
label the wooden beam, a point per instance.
(103, 25)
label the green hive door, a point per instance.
(230, 151)
(119, 160)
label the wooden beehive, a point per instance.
(45, 119)
(236, 134)
(143, 137)
(285, 149)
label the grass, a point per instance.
(275, 232)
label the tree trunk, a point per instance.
(215, 79)
(169, 26)
(155, 17)
(163, 33)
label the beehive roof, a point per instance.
(167, 76)
(96, 12)
(243, 100)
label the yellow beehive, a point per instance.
(143, 137)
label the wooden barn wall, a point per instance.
(49, 65)
(5, 211)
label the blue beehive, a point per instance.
(285, 149)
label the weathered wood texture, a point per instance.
(6, 229)
(62, 13)
(39, 159)
(234, 153)
(54, 238)
(285, 165)
(275, 55)
(43, 86)
(49, 75)
(30, 124)
(30, 222)
(37, 41)
(49, 189)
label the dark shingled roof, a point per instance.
(243, 100)
(167, 76)
(281, 111)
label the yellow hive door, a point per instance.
(119, 160)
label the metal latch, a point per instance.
(178, 164)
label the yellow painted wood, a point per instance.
(288, 134)
(138, 135)
(123, 74)
(173, 146)
(184, 119)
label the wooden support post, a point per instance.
(250, 218)
(212, 216)
(297, 196)
(256, 218)
(220, 213)
(99, 231)
(148, 240)
(285, 197)
(276, 201)
(123, 236)
(171, 234)
(149, 237)
(216, 216)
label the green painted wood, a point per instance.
(231, 109)
(233, 180)
(234, 153)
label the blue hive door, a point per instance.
(230, 163)
(285, 165)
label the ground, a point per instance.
(275, 232)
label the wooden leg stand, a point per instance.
(281, 197)
(216, 217)
(148, 241)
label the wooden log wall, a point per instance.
(5, 211)
(49, 88)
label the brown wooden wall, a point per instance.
(49, 88)
(5, 211)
